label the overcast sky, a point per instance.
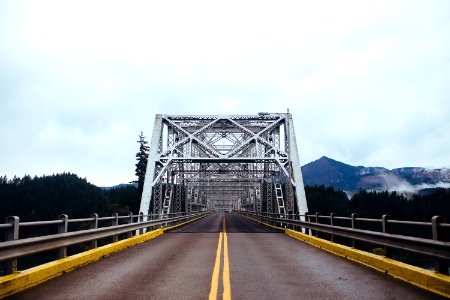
(367, 82)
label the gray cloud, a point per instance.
(367, 82)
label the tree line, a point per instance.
(372, 204)
(45, 198)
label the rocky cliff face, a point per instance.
(349, 178)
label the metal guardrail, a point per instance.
(436, 247)
(14, 248)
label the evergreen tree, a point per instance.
(327, 200)
(141, 165)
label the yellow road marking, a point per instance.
(215, 276)
(226, 265)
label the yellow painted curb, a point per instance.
(425, 279)
(21, 280)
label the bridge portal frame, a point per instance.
(192, 158)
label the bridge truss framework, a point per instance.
(223, 162)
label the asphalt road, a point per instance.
(263, 264)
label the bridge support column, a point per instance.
(299, 188)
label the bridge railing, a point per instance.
(436, 247)
(13, 247)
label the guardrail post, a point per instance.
(317, 221)
(115, 222)
(386, 229)
(149, 218)
(354, 226)
(11, 233)
(293, 218)
(62, 228)
(307, 231)
(300, 228)
(141, 219)
(130, 220)
(438, 234)
(332, 215)
(94, 225)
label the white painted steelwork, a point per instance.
(221, 162)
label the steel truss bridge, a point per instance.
(223, 162)
(199, 169)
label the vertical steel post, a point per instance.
(307, 230)
(297, 176)
(151, 166)
(317, 221)
(94, 225)
(11, 234)
(130, 220)
(386, 229)
(141, 219)
(115, 222)
(62, 228)
(438, 234)
(291, 217)
(299, 228)
(332, 215)
(288, 185)
(354, 226)
(149, 218)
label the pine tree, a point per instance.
(141, 165)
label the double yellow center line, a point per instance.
(226, 268)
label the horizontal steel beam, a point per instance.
(222, 186)
(225, 179)
(268, 117)
(222, 159)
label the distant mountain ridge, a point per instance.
(118, 186)
(350, 179)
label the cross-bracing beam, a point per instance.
(222, 162)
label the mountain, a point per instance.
(350, 179)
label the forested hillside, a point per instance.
(374, 204)
(45, 198)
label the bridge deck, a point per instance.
(264, 264)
